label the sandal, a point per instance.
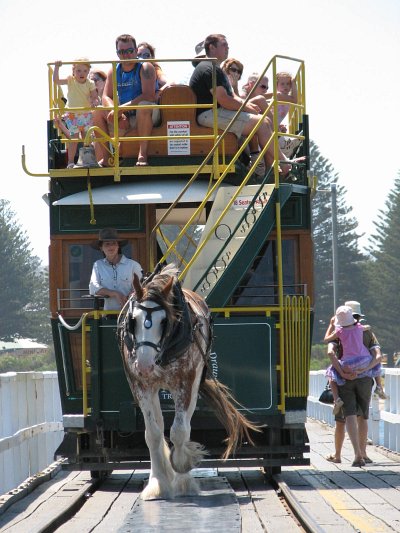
(332, 459)
(359, 463)
(367, 460)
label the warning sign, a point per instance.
(178, 128)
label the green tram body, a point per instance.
(262, 333)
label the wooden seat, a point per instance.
(174, 95)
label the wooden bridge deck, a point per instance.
(336, 497)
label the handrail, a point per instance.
(55, 108)
(274, 139)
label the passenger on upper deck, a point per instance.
(261, 88)
(216, 46)
(136, 85)
(113, 276)
(233, 70)
(81, 93)
(99, 77)
(147, 51)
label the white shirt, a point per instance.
(117, 277)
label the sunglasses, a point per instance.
(233, 69)
(125, 52)
(144, 55)
(265, 87)
(96, 79)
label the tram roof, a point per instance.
(140, 192)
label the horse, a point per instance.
(165, 337)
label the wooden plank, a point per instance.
(270, 510)
(35, 512)
(250, 520)
(108, 507)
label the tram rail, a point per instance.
(67, 504)
(321, 497)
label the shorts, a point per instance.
(132, 117)
(356, 394)
(78, 122)
(224, 116)
(341, 418)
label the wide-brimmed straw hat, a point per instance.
(356, 307)
(108, 234)
(344, 316)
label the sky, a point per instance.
(350, 49)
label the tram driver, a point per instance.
(112, 276)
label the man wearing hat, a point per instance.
(112, 276)
(334, 353)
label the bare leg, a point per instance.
(352, 430)
(362, 435)
(144, 127)
(72, 150)
(340, 430)
(100, 120)
(334, 389)
(264, 133)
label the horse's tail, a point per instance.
(237, 426)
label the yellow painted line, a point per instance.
(360, 519)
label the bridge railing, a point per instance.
(384, 420)
(30, 425)
(31, 420)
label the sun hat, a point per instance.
(355, 306)
(108, 234)
(344, 316)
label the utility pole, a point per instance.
(335, 264)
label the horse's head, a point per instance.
(148, 319)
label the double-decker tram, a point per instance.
(241, 241)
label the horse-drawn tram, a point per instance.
(241, 243)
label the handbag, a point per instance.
(326, 395)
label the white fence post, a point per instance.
(389, 417)
(391, 414)
(30, 425)
(8, 427)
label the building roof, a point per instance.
(20, 344)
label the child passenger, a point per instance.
(81, 93)
(356, 357)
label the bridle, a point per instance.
(148, 324)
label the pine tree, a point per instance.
(384, 274)
(351, 276)
(23, 286)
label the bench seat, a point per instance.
(178, 94)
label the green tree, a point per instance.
(351, 261)
(23, 283)
(384, 273)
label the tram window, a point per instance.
(79, 269)
(259, 286)
(187, 245)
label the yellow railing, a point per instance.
(57, 108)
(296, 112)
(297, 346)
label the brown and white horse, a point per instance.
(165, 337)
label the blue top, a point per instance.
(129, 84)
